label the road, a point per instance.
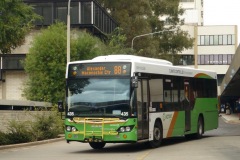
(220, 144)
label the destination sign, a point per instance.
(99, 69)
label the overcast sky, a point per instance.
(222, 12)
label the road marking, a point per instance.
(144, 155)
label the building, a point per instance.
(86, 15)
(214, 46)
(193, 11)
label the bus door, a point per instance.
(187, 105)
(142, 109)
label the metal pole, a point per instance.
(151, 34)
(68, 32)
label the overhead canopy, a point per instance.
(230, 86)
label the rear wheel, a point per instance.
(200, 128)
(97, 145)
(157, 135)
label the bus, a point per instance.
(130, 99)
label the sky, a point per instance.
(222, 12)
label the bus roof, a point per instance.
(132, 58)
(152, 63)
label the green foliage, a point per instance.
(4, 140)
(16, 19)
(116, 43)
(138, 17)
(86, 46)
(46, 61)
(45, 65)
(44, 125)
(18, 132)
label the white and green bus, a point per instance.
(129, 99)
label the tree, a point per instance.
(116, 42)
(46, 62)
(16, 19)
(137, 17)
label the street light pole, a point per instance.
(68, 32)
(142, 35)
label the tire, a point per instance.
(157, 135)
(97, 145)
(200, 131)
(200, 128)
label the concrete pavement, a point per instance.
(31, 143)
(230, 118)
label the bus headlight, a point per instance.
(122, 129)
(74, 129)
(71, 129)
(125, 129)
(128, 129)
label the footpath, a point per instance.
(61, 138)
(228, 118)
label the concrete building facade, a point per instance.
(214, 46)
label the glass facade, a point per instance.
(46, 11)
(85, 14)
(213, 40)
(215, 59)
(208, 59)
(186, 60)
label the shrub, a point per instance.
(18, 133)
(3, 139)
(44, 125)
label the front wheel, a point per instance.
(97, 145)
(157, 135)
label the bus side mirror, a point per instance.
(60, 106)
(134, 81)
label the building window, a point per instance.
(220, 58)
(220, 40)
(206, 40)
(186, 60)
(229, 38)
(86, 12)
(61, 12)
(13, 62)
(211, 59)
(75, 11)
(46, 11)
(211, 40)
(202, 40)
(215, 59)
(225, 39)
(216, 42)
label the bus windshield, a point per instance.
(99, 96)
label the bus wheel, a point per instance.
(200, 128)
(157, 135)
(97, 145)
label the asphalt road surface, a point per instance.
(220, 144)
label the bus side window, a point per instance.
(156, 93)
